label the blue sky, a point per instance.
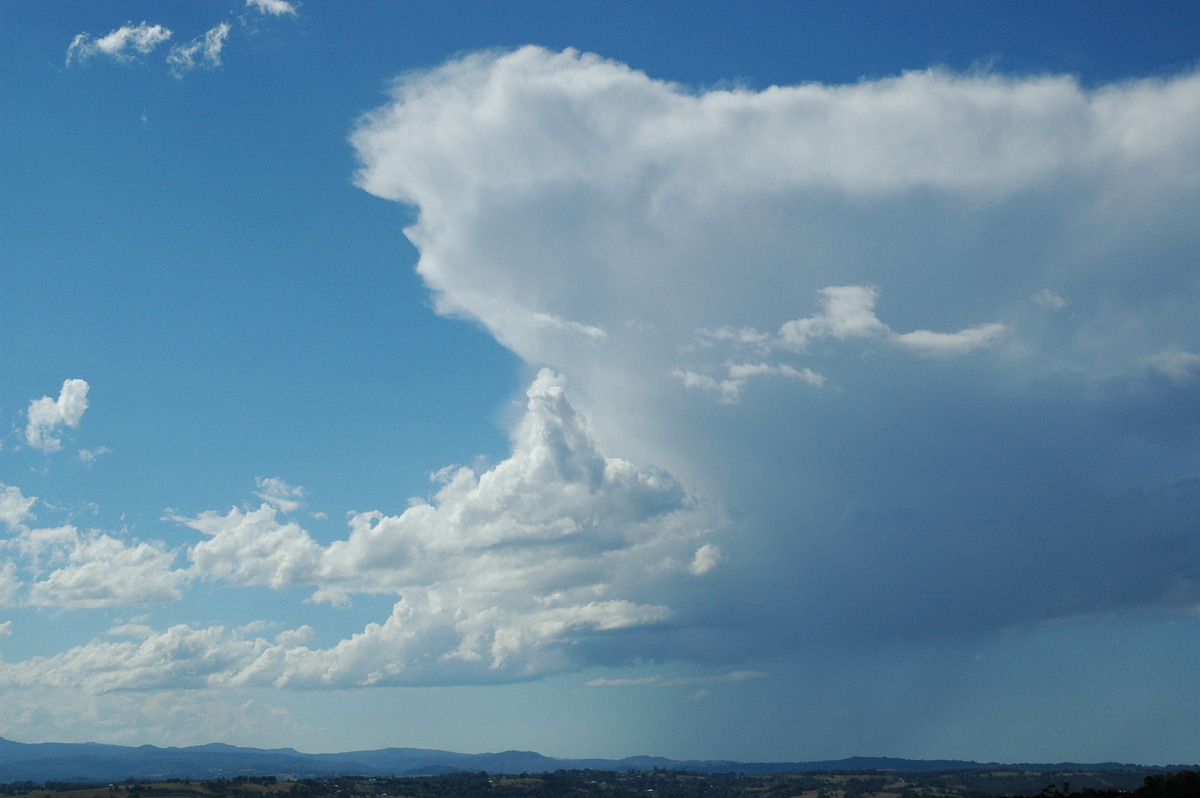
(760, 381)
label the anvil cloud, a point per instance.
(920, 335)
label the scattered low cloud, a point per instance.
(95, 570)
(64, 568)
(10, 584)
(847, 313)
(202, 52)
(1180, 367)
(132, 43)
(503, 575)
(125, 44)
(89, 455)
(14, 507)
(1049, 300)
(275, 8)
(707, 557)
(45, 416)
(926, 342)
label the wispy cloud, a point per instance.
(131, 42)
(89, 455)
(203, 51)
(279, 494)
(847, 314)
(683, 681)
(127, 43)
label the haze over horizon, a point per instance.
(763, 382)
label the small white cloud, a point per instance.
(706, 558)
(137, 631)
(203, 51)
(126, 43)
(272, 7)
(73, 570)
(741, 335)
(847, 311)
(746, 676)
(89, 455)
(46, 415)
(548, 321)
(1049, 300)
(745, 371)
(96, 570)
(925, 342)
(14, 507)
(279, 494)
(10, 584)
(294, 638)
(638, 682)
(253, 548)
(1176, 365)
(730, 391)
(6, 629)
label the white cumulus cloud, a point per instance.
(101, 571)
(14, 507)
(68, 569)
(503, 575)
(497, 577)
(46, 415)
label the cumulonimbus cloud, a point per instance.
(907, 445)
(928, 430)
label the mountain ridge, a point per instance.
(104, 762)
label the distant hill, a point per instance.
(95, 762)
